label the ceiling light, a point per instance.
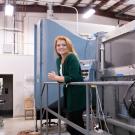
(9, 10)
(89, 13)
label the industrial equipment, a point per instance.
(119, 65)
(88, 68)
(109, 57)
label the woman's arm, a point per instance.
(53, 76)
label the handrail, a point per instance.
(97, 83)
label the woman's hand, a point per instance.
(53, 76)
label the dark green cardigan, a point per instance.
(74, 95)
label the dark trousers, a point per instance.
(75, 117)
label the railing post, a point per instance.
(59, 111)
(47, 109)
(41, 108)
(91, 109)
(87, 109)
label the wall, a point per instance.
(83, 28)
(22, 68)
(93, 19)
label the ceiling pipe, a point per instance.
(49, 10)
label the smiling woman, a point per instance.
(69, 70)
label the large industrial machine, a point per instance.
(118, 64)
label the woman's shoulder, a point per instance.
(71, 55)
(72, 58)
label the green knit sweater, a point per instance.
(74, 95)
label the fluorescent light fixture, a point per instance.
(89, 13)
(9, 10)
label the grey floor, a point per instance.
(14, 125)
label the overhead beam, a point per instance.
(76, 3)
(102, 3)
(113, 15)
(125, 9)
(90, 4)
(31, 8)
(63, 2)
(116, 5)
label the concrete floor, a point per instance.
(14, 125)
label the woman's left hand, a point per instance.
(52, 76)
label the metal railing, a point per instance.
(60, 117)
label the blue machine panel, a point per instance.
(45, 33)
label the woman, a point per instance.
(69, 70)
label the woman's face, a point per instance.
(61, 47)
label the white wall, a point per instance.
(83, 28)
(21, 67)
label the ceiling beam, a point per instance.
(76, 3)
(102, 3)
(124, 10)
(59, 9)
(90, 4)
(63, 2)
(113, 15)
(31, 8)
(116, 5)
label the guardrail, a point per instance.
(58, 115)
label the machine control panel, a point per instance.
(87, 67)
